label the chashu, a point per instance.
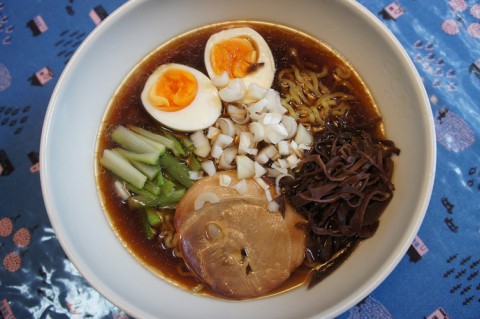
(237, 246)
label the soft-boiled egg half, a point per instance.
(181, 98)
(243, 54)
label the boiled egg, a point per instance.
(181, 98)
(240, 53)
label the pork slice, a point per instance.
(211, 184)
(237, 246)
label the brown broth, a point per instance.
(126, 108)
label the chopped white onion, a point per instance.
(228, 156)
(202, 151)
(267, 153)
(255, 116)
(217, 151)
(262, 158)
(303, 136)
(234, 110)
(258, 131)
(283, 148)
(245, 142)
(282, 163)
(234, 91)
(223, 140)
(198, 139)
(245, 167)
(255, 92)
(293, 145)
(274, 102)
(226, 126)
(121, 190)
(241, 187)
(195, 175)
(201, 143)
(273, 206)
(240, 128)
(203, 198)
(304, 147)
(271, 96)
(268, 195)
(220, 143)
(212, 132)
(272, 172)
(297, 151)
(224, 180)
(209, 167)
(267, 123)
(262, 183)
(259, 169)
(275, 133)
(290, 125)
(257, 107)
(279, 168)
(280, 109)
(292, 161)
(271, 118)
(221, 80)
(238, 114)
(300, 150)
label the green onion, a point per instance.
(147, 158)
(153, 217)
(130, 141)
(167, 187)
(177, 149)
(152, 188)
(153, 136)
(139, 201)
(194, 163)
(122, 168)
(159, 179)
(187, 143)
(148, 170)
(176, 169)
(156, 145)
(147, 228)
(140, 191)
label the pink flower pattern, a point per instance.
(452, 26)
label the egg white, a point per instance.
(264, 75)
(202, 112)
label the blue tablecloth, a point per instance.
(439, 277)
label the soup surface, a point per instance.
(288, 47)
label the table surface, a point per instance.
(439, 277)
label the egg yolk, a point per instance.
(174, 90)
(234, 55)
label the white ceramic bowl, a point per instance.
(116, 46)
